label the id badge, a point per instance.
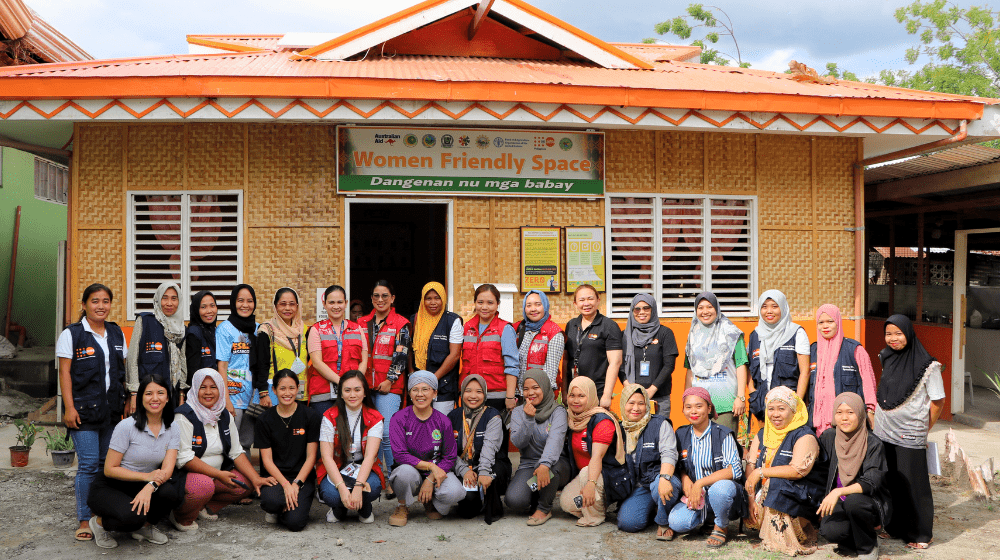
(351, 470)
(354, 447)
(297, 366)
(643, 369)
(468, 488)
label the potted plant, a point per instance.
(26, 432)
(60, 446)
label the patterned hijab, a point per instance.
(173, 329)
(426, 323)
(710, 346)
(773, 437)
(771, 337)
(633, 429)
(207, 416)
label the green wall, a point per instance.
(43, 226)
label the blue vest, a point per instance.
(154, 357)
(798, 498)
(95, 404)
(644, 462)
(438, 349)
(198, 440)
(785, 371)
(477, 438)
(617, 477)
(206, 345)
(846, 375)
(719, 434)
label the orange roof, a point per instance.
(46, 43)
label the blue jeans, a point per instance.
(640, 508)
(322, 406)
(330, 496)
(720, 497)
(387, 405)
(91, 450)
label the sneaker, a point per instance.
(331, 517)
(271, 518)
(183, 528)
(151, 534)
(369, 519)
(101, 537)
(203, 514)
(398, 517)
(431, 512)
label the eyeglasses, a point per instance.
(381, 296)
(644, 309)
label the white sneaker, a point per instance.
(369, 519)
(101, 537)
(271, 518)
(151, 534)
(331, 517)
(203, 514)
(183, 528)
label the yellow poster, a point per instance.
(541, 259)
(585, 257)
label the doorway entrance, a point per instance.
(407, 242)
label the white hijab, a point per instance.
(773, 336)
(208, 416)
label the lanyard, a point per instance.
(297, 346)
(354, 429)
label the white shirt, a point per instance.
(328, 430)
(64, 348)
(457, 334)
(213, 443)
(801, 348)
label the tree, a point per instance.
(697, 16)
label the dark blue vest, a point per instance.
(206, 346)
(719, 434)
(95, 404)
(154, 357)
(477, 438)
(846, 375)
(798, 498)
(198, 440)
(438, 349)
(644, 462)
(618, 480)
(785, 371)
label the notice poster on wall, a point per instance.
(585, 257)
(541, 259)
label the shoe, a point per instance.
(369, 519)
(431, 512)
(399, 517)
(271, 518)
(183, 528)
(151, 534)
(203, 514)
(873, 555)
(536, 521)
(331, 517)
(101, 537)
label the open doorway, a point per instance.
(407, 243)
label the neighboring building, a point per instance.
(223, 166)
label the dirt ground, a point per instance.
(36, 507)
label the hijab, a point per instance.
(535, 325)
(827, 352)
(471, 417)
(548, 404)
(246, 325)
(578, 422)
(282, 332)
(638, 334)
(633, 429)
(903, 370)
(425, 324)
(851, 447)
(173, 327)
(771, 337)
(196, 311)
(207, 416)
(710, 347)
(773, 437)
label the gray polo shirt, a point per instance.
(141, 450)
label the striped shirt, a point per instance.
(552, 357)
(701, 448)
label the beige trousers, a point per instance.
(589, 516)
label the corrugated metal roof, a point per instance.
(265, 42)
(967, 155)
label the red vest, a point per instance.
(483, 353)
(351, 338)
(539, 348)
(369, 417)
(381, 352)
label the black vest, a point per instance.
(846, 375)
(95, 404)
(785, 371)
(798, 498)
(154, 357)
(477, 442)
(618, 481)
(438, 349)
(644, 462)
(685, 435)
(206, 346)
(198, 440)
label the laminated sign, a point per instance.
(541, 259)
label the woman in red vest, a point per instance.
(336, 346)
(489, 349)
(388, 337)
(540, 341)
(349, 439)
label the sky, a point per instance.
(860, 35)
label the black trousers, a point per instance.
(272, 500)
(472, 504)
(110, 499)
(521, 498)
(852, 524)
(909, 486)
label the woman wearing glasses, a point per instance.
(650, 353)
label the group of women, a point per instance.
(424, 408)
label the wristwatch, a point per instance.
(665, 476)
(298, 482)
(742, 399)
(154, 485)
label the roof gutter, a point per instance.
(963, 132)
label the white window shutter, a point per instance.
(682, 237)
(632, 237)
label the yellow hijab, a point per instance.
(773, 436)
(426, 323)
(633, 429)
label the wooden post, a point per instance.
(892, 265)
(920, 267)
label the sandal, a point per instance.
(717, 539)
(84, 534)
(245, 502)
(918, 545)
(665, 534)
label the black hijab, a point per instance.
(195, 312)
(246, 325)
(902, 370)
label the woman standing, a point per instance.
(217, 471)
(388, 335)
(437, 343)
(336, 346)
(349, 474)
(199, 342)
(157, 345)
(482, 461)
(288, 436)
(538, 430)
(785, 454)
(716, 359)
(779, 352)
(593, 346)
(91, 356)
(650, 353)
(595, 451)
(910, 400)
(490, 349)
(234, 347)
(857, 500)
(651, 455)
(136, 490)
(281, 344)
(839, 365)
(540, 342)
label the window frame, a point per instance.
(53, 170)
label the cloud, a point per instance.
(777, 61)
